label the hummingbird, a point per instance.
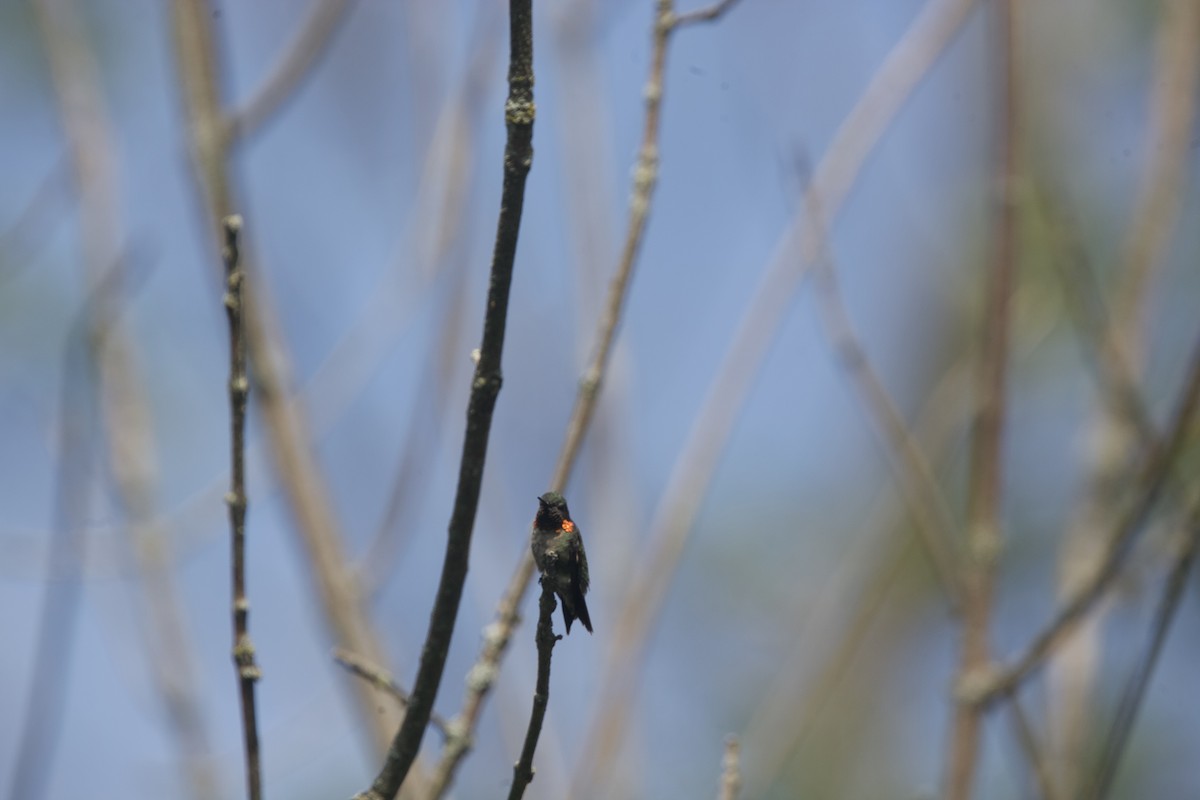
(558, 552)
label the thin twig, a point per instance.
(731, 770)
(497, 635)
(715, 11)
(1161, 192)
(239, 390)
(1156, 466)
(925, 500)
(523, 769)
(1034, 752)
(1135, 688)
(984, 536)
(790, 705)
(290, 438)
(892, 84)
(383, 680)
(518, 156)
(311, 42)
(1094, 325)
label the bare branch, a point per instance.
(910, 467)
(892, 84)
(289, 436)
(1034, 752)
(499, 633)
(523, 769)
(239, 390)
(518, 156)
(57, 621)
(92, 161)
(789, 707)
(324, 19)
(731, 770)
(984, 535)
(1135, 688)
(1156, 466)
(382, 679)
(708, 14)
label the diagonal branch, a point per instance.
(302, 53)
(518, 156)
(1139, 680)
(382, 679)
(1033, 749)
(911, 469)
(905, 66)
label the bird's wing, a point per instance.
(581, 566)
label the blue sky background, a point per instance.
(348, 245)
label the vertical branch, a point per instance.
(239, 389)
(645, 180)
(984, 488)
(731, 770)
(519, 112)
(288, 432)
(523, 769)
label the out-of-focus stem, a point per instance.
(287, 431)
(984, 539)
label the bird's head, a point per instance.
(552, 510)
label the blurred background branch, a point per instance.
(774, 483)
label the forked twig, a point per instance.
(383, 680)
(497, 635)
(1155, 468)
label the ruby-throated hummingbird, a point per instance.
(558, 552)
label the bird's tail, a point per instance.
(581, 611)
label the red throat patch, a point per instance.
(568, 526)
